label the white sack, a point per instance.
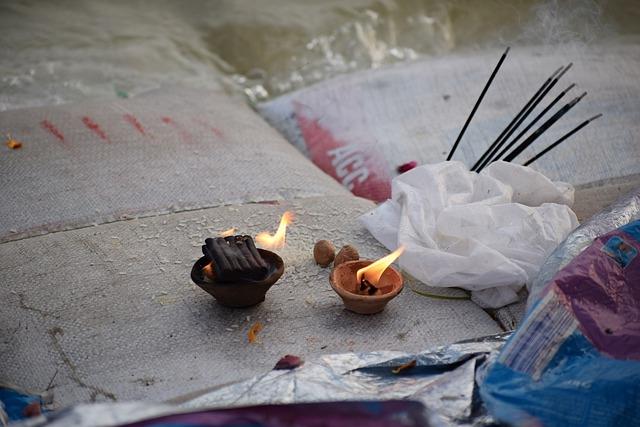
(379, 119)
(168, 150)
(488, 232)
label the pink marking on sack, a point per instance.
(95, 128)
(185, 135)
(47, 125)
(364, 173)
(216, 131)
(133, 121)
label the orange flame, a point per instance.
(276, 241)
(227, 233)
(207, 270)
(373, 271)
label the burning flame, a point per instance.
(227, 233)
(276, 241)
(373, 271)
(207, 270)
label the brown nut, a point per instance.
(347, 253)
(324, 252)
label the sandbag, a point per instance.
(109, 312)
(360, 127)
(169, 150)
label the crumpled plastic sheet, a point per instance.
(99, 414)
(623, 211)
(443, 380)
(486, 232)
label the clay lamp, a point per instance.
(235, 272)
(366, 286)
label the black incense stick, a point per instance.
(495, 143)
(529, 126)
(555, 144)
(524, 116)
(475, 107)
(546, 125)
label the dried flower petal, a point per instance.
(14, 144)
(252, 335)
(407, 166)
(288, 362)
(404, 367)
(32, 410)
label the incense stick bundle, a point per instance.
(520, 117)
(235, 258)
(555, 144)
(496, 150)
(527, 128)
(546, 125)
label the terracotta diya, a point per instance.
(234, 272)
(366, 286)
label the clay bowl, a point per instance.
(238, 294)
(343, 281)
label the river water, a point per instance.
(53, 52)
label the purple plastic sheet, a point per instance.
(598, 290)
(395, 413)
(574, 361)
(623, 211)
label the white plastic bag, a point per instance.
(488, 232)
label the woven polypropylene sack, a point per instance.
(169, 150)
(359, 128)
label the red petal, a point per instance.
(288, 362)
(407, 166)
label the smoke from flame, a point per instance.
(373, 271)
(276, 241)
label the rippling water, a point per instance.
(59, 51)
